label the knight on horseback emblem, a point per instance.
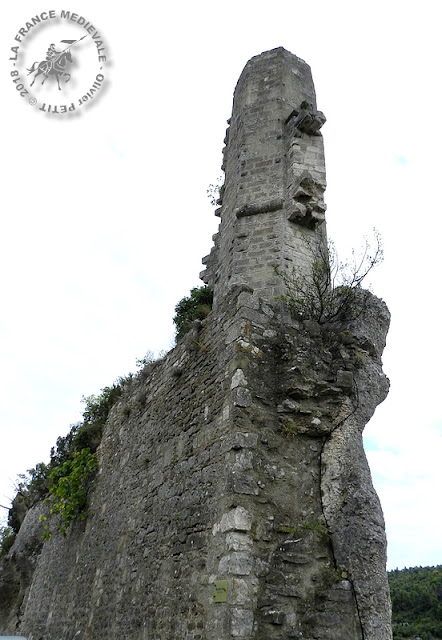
(50, 57)
(55, 63)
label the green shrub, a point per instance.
(68, 493)
(72, 464)
(194, 307)
(88, 435)
(64, 447)
(75, 461)
(98, 407)
(7, 537)
(328, 293)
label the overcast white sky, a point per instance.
(105, 218)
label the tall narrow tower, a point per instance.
(272, 206)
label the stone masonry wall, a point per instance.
(272, 208)
(221, 465)
(134, 568)
(233, 497)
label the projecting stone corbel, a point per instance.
(306, 119)
(308, 207)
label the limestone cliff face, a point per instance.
(233, 497)
(350, 503)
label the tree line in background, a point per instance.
(416, 597)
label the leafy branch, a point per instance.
(68, 493)
(7, 537)
(215, 191)
(65, 480)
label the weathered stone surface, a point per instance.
(248, 466)
(351, 506)
(242, 623)
(303, 507)
(236, 520)
(274, 164)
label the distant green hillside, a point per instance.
(416, 596)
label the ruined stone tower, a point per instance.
(272, 200)
(233, 497)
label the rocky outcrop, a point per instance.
(17, 570)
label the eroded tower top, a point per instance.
(272, 199)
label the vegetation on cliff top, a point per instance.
(63, 482)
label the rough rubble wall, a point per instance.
(134, 568)
(218, 467)
(233, 498)
(272, 203)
